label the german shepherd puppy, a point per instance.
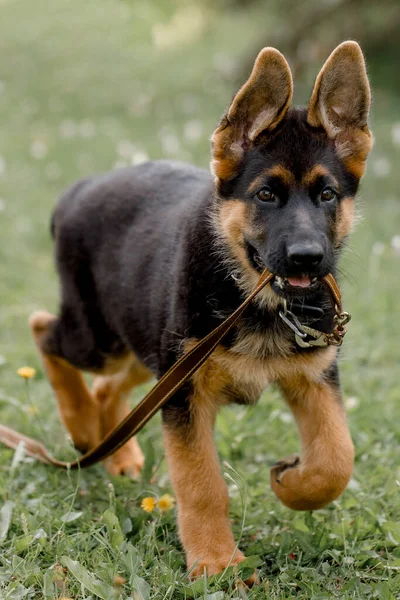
(153, 257)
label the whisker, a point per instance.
(350, 249)
(348, 276)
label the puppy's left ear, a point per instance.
(340, 103)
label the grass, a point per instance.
(83, 89)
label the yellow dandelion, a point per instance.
(166, 502)
(26, 372)
(148, 504)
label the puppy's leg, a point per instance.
(202, 496)
(111, 393)
(326, 464)
(78, 410)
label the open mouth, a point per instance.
(295, 285)
(298, 284)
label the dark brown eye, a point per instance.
(328, 194)
(265, 195)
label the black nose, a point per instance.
(306, 255)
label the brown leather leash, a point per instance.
(169, 383)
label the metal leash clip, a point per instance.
(320, 339)
(302, 331)
(291, 320)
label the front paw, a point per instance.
(308, 486)
(128, 460)
(214, 564)
(279, 468)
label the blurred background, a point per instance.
(89, 86)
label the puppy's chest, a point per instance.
(240, 372)
(251, 361)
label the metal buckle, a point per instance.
(341, 318)
(301, 331)
(320, 339)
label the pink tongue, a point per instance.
(303, 281)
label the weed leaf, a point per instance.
(70, 516)
(97, 587)
(5, 519)
(383, 591)
(130, 559)
(113, 528)
(150, 458)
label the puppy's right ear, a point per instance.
(340, 104)
(258, 107)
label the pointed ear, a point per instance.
(340, 103)
(258, 107)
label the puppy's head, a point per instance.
(287, 177)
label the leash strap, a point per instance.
(169, 383)
(335, 297)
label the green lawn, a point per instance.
(87, 86)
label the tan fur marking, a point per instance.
(233, 221)
(111, 393)
(203, 505)
(90, 416)
(281, 172)
(353, 149)
(202, 496)
(115, 365)
(317, 171)
(78, 410)
(327, 450)
(259, 345)
(284, 175)
(356, 167)
(230, 223)
(345, 218)
(250, 373)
